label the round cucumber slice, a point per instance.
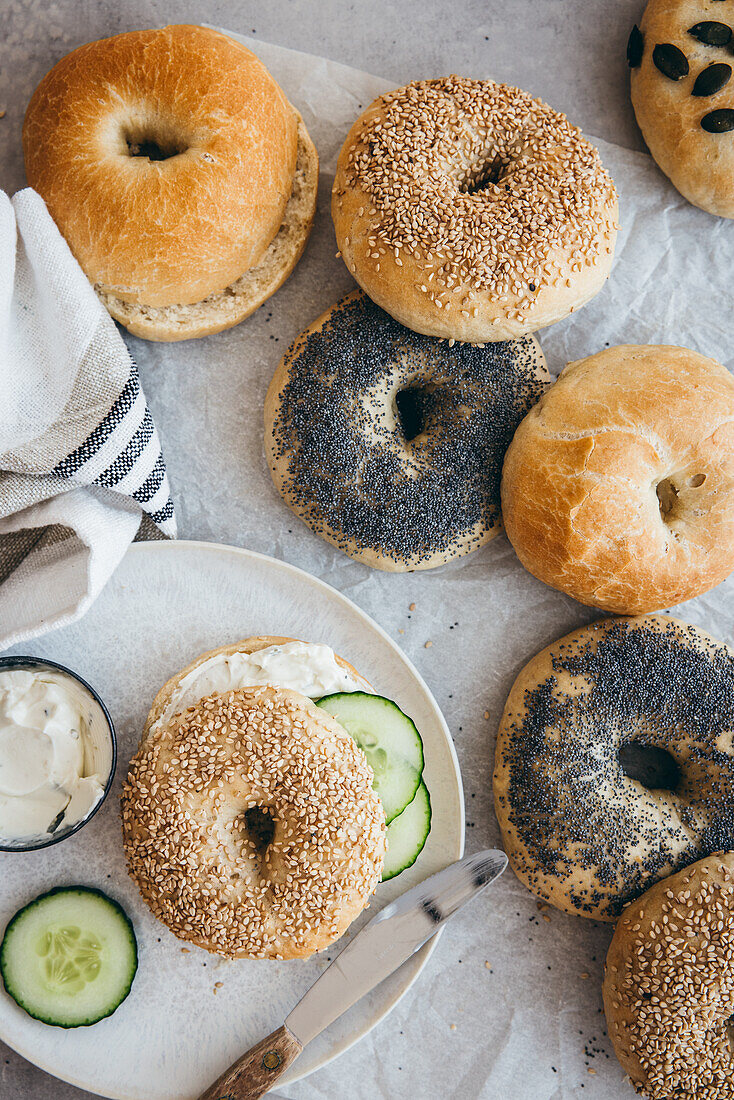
(389, 740)
(407, 834)
(69, 957)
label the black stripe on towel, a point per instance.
(126, 459)
(152, 483)
(71, 465)
(166, 512)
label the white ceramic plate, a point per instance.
(175, 1034)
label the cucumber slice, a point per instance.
(69, 957)
(389, 740)
(407, 834)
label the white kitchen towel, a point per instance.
(81, 468)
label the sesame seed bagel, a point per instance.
(180, 175)
(251, 827)
(614, 764)
(618, 487)
(389, 444)
(680, 59)
(469, 210)
(669, 985)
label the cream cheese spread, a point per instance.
(49, 778)
(307, 667)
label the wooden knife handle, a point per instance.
(256, 1072)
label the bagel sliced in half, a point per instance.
(181, 177)
(250, 821)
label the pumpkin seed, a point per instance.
(711, 33)
(671, 61)
(712, 79)
(719, 122)
(635, 46)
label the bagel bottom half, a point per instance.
(228, 307)
(247, 645)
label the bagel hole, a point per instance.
(729, 1029)
(154, 146)
(650, 765)
(667, 496)
(260, 827)
(485, 175)
(411, 410)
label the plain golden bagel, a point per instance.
(681, 65)
(249, 821)
(669, 985)
(618, 487)
(469, 210)
(614, 764)
(389, 444)
(180, 175)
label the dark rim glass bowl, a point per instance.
(32, 664)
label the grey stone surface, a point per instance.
(571, 53)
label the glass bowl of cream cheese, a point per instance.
(58, 753)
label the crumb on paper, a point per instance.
(400, 631)
(411, 607)
(428, 645)
(185, 951)
(3, 112)
(453, 1027)
(488, 964)
(486, 715)
(546, 917)
(585, 975)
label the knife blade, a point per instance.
(384, 944)
(390, 938)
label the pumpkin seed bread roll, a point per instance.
(618, 487)
(182, 178)
(681, 59)
(469, 210)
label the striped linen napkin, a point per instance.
(81, 468)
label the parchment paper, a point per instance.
(509, 1006)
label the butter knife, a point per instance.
(383, 945)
